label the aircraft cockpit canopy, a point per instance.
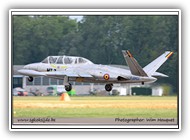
(66, 60)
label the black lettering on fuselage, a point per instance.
(50, 69)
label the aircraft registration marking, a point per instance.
(50, 69)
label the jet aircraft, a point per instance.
(79, 69)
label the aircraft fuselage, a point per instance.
(79, 69)
(101, 73)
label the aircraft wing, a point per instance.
(54, 74)
(61, 74)
(31, 72)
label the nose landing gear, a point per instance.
(108, 87)
(30, 79)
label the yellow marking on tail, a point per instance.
(169, 55)
(130, 55)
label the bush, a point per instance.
(167, 89)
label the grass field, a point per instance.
(97, 107)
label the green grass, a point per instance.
(22, 107)
(96, 113)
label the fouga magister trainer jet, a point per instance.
(79, 69)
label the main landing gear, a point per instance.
(108, 87)
(68, 87)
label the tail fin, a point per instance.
(134, 66)
(151, 68)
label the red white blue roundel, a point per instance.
(106, 76)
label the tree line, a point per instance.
(99, 39)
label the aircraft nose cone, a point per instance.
(20, 71)
(33, 66)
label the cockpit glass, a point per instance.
(75, 61)
(60, 60)
(45, 60)
(81, 60)
(52, 60)
(68, 60)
